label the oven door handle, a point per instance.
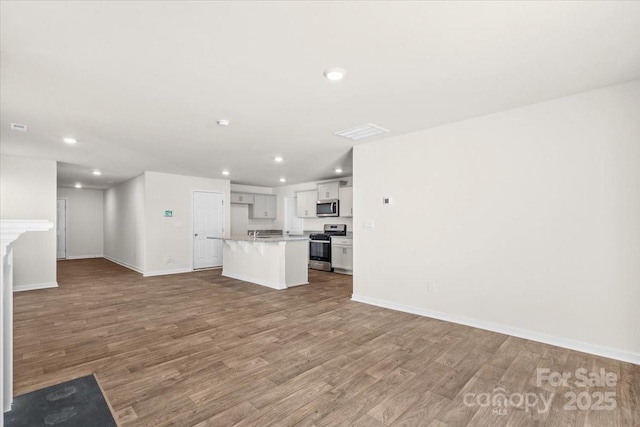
(324, 242)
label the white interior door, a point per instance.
(207, 222)
(292, 224)
(61, 229)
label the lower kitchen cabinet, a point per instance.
(342, 255)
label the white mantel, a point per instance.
(10, 230)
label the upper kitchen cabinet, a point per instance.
(306, 204)
(329, 190)
(243, 198)
(264, 206)
(346, 201)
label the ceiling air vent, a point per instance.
(362, 131)
(18, 126)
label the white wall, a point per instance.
(124, 228)
(169, 244)
(85, 222)
(525, 221)
(240, 219)
(28, 191)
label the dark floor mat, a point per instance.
(75, 403)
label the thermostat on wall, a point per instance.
(386, 200)
(168, 213)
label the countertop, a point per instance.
(267, 239)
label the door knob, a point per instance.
(196, 234)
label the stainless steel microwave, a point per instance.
(327, 208)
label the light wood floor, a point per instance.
(201, 349)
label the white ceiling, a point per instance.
(142, 84)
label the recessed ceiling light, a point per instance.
(223, 122)
(225, 172)
(278, 158)
(69, 140)
(283, 180)
(78, 185)
(97, 172)
(335, 74)
(338, 170)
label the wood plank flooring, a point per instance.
(199, 349)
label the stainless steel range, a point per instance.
(320, 246)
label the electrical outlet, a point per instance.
(431, 288)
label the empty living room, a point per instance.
(320, 213)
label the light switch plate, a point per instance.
(367, 224)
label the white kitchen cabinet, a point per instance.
(342, 255)
(242, 198)
(329, 190)
(264, 206)
(346, 201)
(306, 204)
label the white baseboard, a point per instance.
(611, 353)
(299, 284)
(151, 273)
(167, 272)
(252, 280)
(82, 257)
(124, 264)
(208, 268)
(341, 271)
(34, 286)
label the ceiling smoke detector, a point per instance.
(223, 122)
(363, 131)
(19, 127)
(335, 74)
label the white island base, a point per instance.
(276, 263)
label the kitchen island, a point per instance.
(276, 262)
